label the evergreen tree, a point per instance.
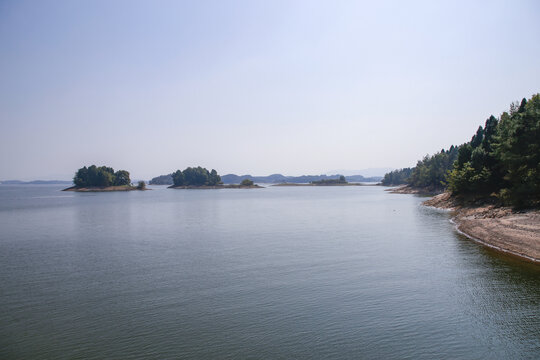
(517, 148)
(507, 160)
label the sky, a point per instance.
(254, 87)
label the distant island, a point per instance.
(272, 179)
(341, 181)
(492, 182)
(162, 180)
(103, 178)
(201, 178)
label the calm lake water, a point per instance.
(274, 273)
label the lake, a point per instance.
(273, 273)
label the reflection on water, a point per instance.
(334, 272)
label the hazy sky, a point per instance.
(254, 87)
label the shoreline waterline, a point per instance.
(499, 228)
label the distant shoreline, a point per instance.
(231, 179)
(209, 187)
(103, 189)
(322, 185)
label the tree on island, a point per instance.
(341, 180)
(141, 185)
(246, 182)
(102, 176)
(196, 177)
(122, 178)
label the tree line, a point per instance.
(502, 159)
(397, 177)
(429, 173)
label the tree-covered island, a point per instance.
(103, 178)
(340, 181)
(201, 178)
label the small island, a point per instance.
(101, 179)
(341, 181)
(201, 178)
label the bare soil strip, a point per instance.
(501, 228)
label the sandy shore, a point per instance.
(516, 233)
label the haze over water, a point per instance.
(310, 272)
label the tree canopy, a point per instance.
(431, 171)
(503, 158)
(340, 180)
(101, 176)
(397, 177)
(196, 176)
(246, 182)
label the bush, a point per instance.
(246, 182)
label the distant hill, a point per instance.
(371, 172)
(272, 179)
(162, 180)
(36, 182)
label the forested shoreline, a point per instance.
(501, 161)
